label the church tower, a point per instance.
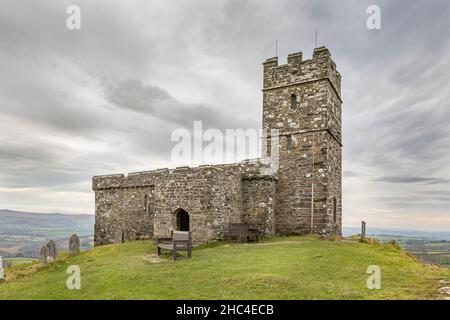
(302, 99)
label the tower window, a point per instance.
(289, 142)
(293, 101)
(146, 206)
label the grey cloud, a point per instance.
(156, 102)
(413, 199)
(409, 205)
(35, 29)
(412, 180)
(350, 174)
(435, 192)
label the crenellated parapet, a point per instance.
(252, 168)
(298, 71)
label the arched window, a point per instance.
(293, 101)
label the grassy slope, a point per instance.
(18, 261)
(283, 268)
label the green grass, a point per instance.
(18, 261)
(280, 268)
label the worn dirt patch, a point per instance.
(444, 289)
(153, 258)
(259, 281)
(273, 243)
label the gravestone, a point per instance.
(43, 254)
(52, 252)
(74, 245)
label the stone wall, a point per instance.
(123, 208)
(310, 145)
(259, 203)
(300, 167)
(334, 200)
(259, 194)
(211, 195)
(143, 204)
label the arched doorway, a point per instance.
(182, 220)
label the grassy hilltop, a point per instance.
(279, 268)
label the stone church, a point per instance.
(302, 99)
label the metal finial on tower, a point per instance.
(276, 48)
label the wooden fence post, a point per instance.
(363, 230)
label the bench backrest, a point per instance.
(238, 228)
(181, 235)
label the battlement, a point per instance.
(248, 168)
(297, 70)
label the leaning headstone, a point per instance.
(52, 252)
(43, 254)
(74, 245)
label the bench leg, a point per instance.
(159, 251)
(174, 253)
(189, 252)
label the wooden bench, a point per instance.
(179, 240)
(242, 231)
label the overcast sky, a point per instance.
(105, 99)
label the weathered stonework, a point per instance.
(52, 250)
(43, 254)
(309, 192)
(259, 202)
(147, 204)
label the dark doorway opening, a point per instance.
(182, 220)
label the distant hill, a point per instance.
(399, 233)
(22, 233)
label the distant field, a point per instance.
(427, 250)
(441, 257)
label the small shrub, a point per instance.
(395, 244)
